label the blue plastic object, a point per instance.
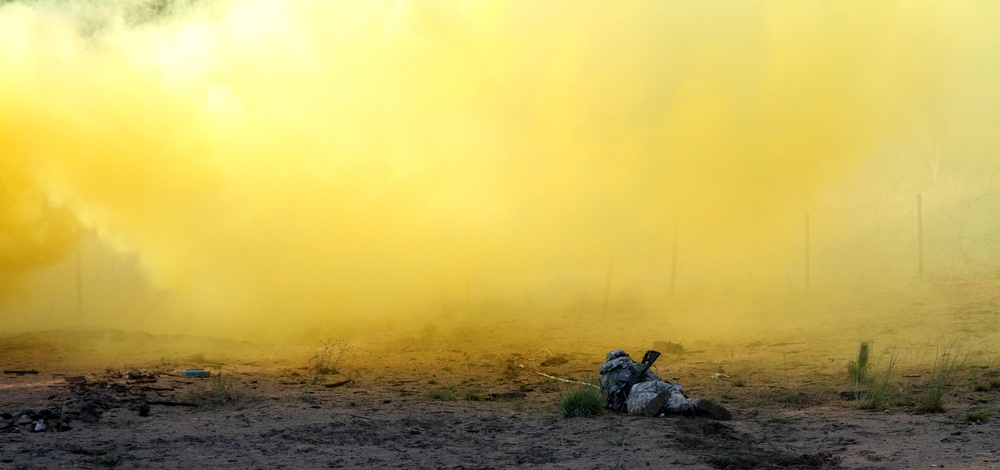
(195, 372)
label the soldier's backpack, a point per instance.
(623, 380)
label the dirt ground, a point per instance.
(111, 398)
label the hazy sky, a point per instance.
(287, 168)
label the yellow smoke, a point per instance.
(298, 168)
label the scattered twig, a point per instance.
(338, 384)
(171, 403)
(568, 381)
(328, 357)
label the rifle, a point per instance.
(618, 395)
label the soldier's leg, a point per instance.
(656, 397)
(652, 398)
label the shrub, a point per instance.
(872, 384)
(328, 356)
(858, 369)
(582, 402)
(947, 364)
(222, 390)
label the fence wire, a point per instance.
(867, 243)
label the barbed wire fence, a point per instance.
(921, 240)
(916, 240)
(910, 239)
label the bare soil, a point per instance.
(454, 400)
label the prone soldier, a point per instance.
(632, 387)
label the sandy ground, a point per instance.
(448, 400)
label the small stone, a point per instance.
(40, 426)
(89, 412)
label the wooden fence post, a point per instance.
(673, 263)
(607, 280)
(807, 268)
(920, 238)
(79, 281)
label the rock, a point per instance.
(24, 420)
(90, 412)
(40, 426)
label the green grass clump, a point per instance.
(582, 402)
(476, 394)
(872, 385)
(993, 384)
(933, 398)
(976, 416)
(858, 369)
(222, 391)
(946, 365)
(446, 393)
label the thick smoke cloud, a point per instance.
(302, 167)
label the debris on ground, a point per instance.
(555, 360)
(338, 384)
(195, 372)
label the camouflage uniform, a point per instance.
(619, 367)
